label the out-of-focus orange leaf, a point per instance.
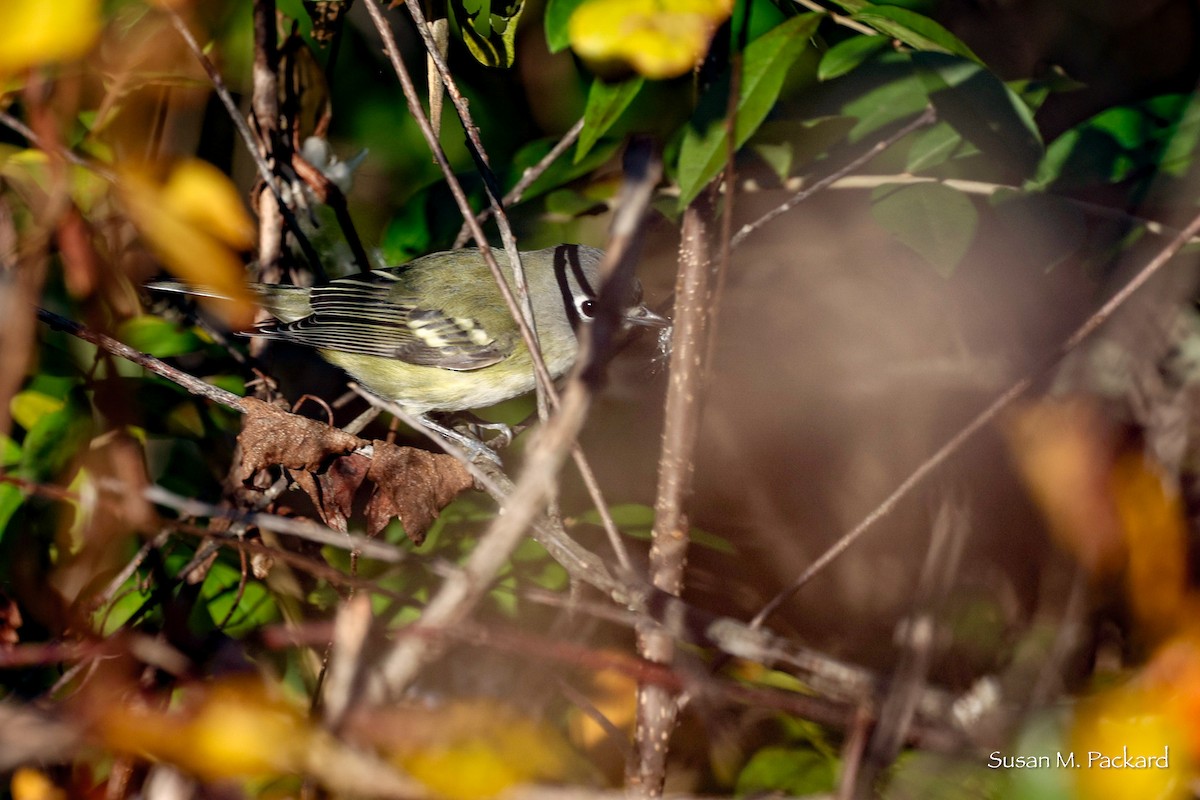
(39, 32)
(469, 750)
(195, 222)
(658, 38)
(1064, 452)
(1152, 519)
(31, 784)
(233, 728)
(1173, 674)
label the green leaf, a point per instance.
(789, 145)
(407, 235)
(561, 171)
(788, 770)
(558, 12)
(1035, 91)
(158, 337)
(934, 221)
(933, 147)
(29, 406)
(11, 499)
(637, 522)
(55, 440)
(981, 108)
(915, 30)
(853, 6)
(10, 451)
(765, 63)
(489, 30)
(624, 515)
(605, 104)
(256, 607)
(1123, 143)
(901, 94)
(845, 56)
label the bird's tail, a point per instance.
(175, 287)
(285, 303)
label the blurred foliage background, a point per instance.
(926, 199)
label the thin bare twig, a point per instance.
(530, 175)
(985, 417)
(235, 116)
(300, 528)
(845, 22)
(111, 345)
(927, 117)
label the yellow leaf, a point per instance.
(469, 750)
(201, 194)
(1129, 746)
(29, 406)
(39, 32)
(658, 38)
(31, 784)
(195, 243)
(234, 728)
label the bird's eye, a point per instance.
(588, 308)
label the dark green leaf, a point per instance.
(11, 499)
(158, 337)
(789, 145)
(900, 95)
(981, 108)
(936, 222)
(1124, 143)
(915, 30)
(845, 56)
(1033, 92)
(407, 235)
(488, 29)
(605, 104)
(558, 13)
(561, 171)
(933, 147)
(764, 66)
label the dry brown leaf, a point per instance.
(273, 437)
(409, 484)
(412, 485)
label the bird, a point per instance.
(434, 334)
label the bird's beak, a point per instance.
(645, 318)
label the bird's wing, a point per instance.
(364, 317)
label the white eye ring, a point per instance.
(587, 307)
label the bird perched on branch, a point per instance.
(435, 334)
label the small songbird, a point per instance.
(435, 334)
